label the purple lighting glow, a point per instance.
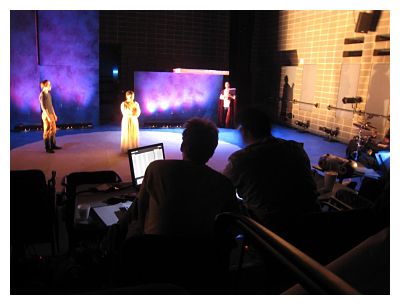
(151, 107)
(170, 97)
(51, 49)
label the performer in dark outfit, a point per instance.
(287, 96)
(226, 108)
(49, 117)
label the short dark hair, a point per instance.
(255, 121)
(199, 139)
(44, 83)
(129, 92)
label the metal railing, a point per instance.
(314, 277)
(359, 112)
(332, 107)
(294, 101)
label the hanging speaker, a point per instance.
(376, 15)
(363, 22)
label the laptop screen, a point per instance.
(141, 157)
(383, 159)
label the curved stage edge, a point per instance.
(100, 150)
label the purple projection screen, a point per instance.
(167, 97)
(63, 47)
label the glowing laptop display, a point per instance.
(141, 157)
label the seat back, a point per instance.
(32, 208)
(324, 235)
(200, 264)
(71, 182)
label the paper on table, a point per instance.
(107, 213)
(368, 172)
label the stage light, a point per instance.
(200, 71)
(302, 124)
(151, 107)
(27, 128)
(115, 72)
(352, 100)
(164, 105)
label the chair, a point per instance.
(70, 183)
(366, 266)
(325, 235)
(32, 210)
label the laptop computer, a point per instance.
(383, 160)
(140, 158)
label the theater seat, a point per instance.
(70, 183)
(199, 264)
(32, 210)
(366, 267)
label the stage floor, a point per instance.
(98, 149)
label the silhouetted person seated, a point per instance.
(270, 174)
(168, 235)
(182, 197)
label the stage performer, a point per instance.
(226, 107)
(130, 124)
(49, 117)
(287, 97)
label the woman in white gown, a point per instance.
(130, 124)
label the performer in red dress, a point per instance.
(227, 107)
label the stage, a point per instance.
(98, 149)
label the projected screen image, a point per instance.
(174, 97)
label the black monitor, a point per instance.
(141, 157)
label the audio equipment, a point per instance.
(363, 22)
(352, 100)
(344, 167)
